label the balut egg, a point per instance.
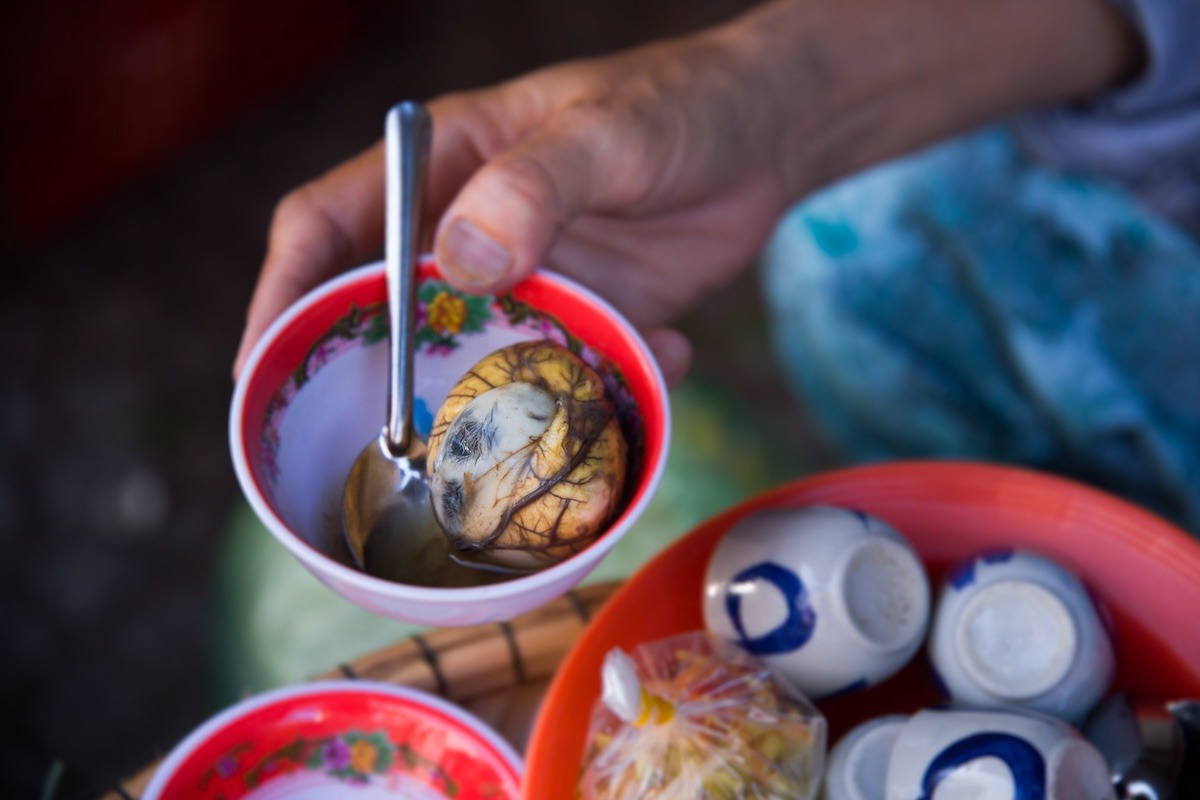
(527, 459)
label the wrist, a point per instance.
(860, 81)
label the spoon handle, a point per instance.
(408, 131)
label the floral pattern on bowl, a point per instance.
(350, 757)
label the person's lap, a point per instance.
(966, 302)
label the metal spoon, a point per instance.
(386, 513)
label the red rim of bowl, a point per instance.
(223, 727)
(1065, 513)
(603, 329)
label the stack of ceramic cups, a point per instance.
(835, 601)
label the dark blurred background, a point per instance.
(145, 144)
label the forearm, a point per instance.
(864, 80)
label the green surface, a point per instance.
(278, 624)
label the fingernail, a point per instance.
(476, 257)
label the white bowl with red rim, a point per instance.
(324, 739)
(313, 393)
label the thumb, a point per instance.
(506, 217)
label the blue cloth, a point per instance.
(969, 301)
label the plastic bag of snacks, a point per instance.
(694, 717)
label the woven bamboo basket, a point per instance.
(498, 671)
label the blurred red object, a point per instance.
(99, 94)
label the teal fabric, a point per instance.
(968, 301)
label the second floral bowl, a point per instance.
(334, 738)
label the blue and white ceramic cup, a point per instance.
(1016, 630)
(832, 599)
(994, 755)
(857, 764)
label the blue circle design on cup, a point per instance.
(1024, 762)
(801, 619)
(962, 575)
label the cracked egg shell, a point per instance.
(527, 459)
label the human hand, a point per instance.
(653, 176)
(643, 176)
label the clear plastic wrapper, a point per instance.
(694, 717)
